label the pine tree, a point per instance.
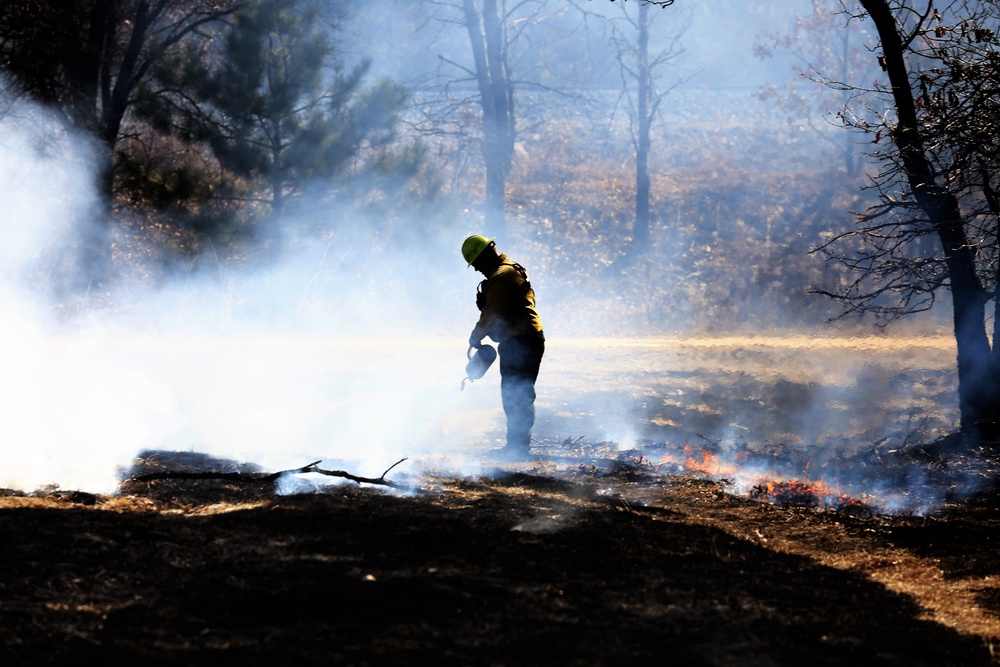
(276, 106)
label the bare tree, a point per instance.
(640, 71)
(474, 94)
(475, 91)
(937, 222)
(832, 54)
(488, 37)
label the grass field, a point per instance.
(841, 415)
(740, 408)
(795, 390)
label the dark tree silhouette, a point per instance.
(87, 59)
(275, 105)
(937, 183)
(488, 39)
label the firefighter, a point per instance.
(506, 303)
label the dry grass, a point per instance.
(492, 569)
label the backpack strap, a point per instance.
(524, 275)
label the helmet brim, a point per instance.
(487, 244)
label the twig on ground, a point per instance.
(361, 480)
(711, 442)
(392, 466)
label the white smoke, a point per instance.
(202, 366)
(68, 417)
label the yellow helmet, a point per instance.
(473, 246)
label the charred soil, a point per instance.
(512, 568)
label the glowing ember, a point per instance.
(705, 462)
(804, 493)
(796, 492)
(791, 492)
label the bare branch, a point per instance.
(265, 478)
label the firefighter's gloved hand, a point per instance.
(475, 343)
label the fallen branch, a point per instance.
(365, 480)
(260, 477)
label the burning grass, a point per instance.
(884, 478)
(737, 474)
(806, 494)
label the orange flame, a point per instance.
(781, 491)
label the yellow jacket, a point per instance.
(509, 304)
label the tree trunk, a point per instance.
(88, 79)
(496, 92)
(977, 377)
(852, 163)
(116, 98)
(640, 233)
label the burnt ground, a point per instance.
(597, 566)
